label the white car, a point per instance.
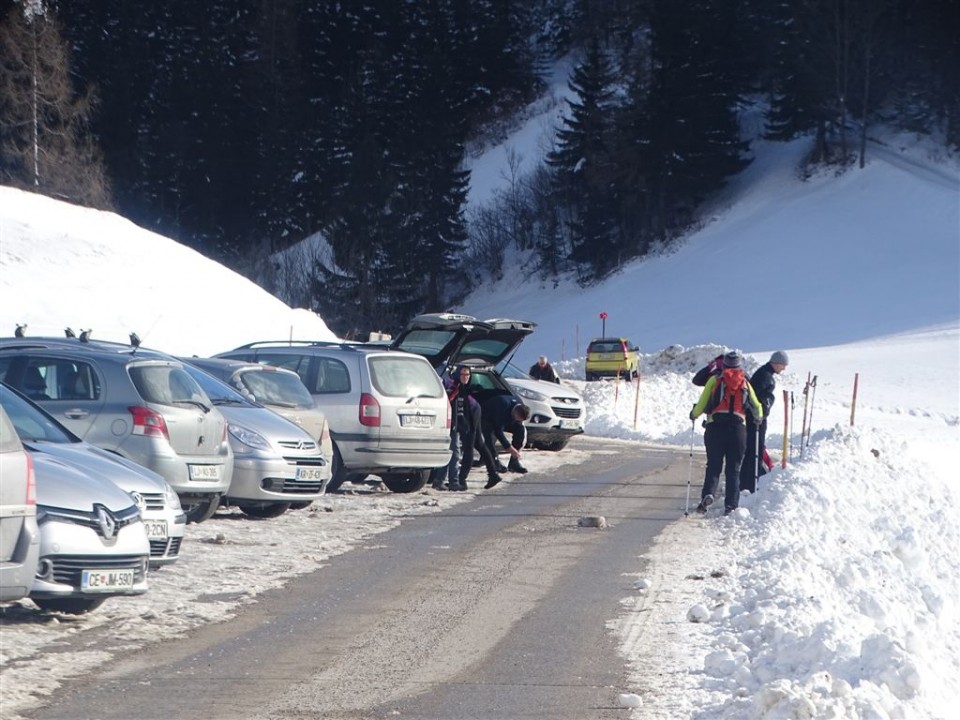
(556, 410)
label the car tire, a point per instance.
(264, 512)
(338, 472)
(406, 482)
(71, 606)
(201, 509)
(554, 446)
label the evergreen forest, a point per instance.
(242, 127)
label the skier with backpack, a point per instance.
(727, 399)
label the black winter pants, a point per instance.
(726, 442)
(750, 470)
(471, 439)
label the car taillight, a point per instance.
(147, 422)
(449, 416)
(31, 482)
(369, 411)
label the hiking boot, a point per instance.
(515, 466)
(460, 488)
(705, 503)
(492, 480)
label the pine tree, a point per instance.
(45, 139)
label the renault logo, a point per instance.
(106, 522)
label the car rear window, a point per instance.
(165, 384)
(606, 347)
(397, 376)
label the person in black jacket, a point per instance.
(543, 370)
(501, 414)
(764, 384)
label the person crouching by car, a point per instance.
(503, 414)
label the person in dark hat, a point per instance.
(764, 383)
(727, 400)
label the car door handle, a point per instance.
(76, 414)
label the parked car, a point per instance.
(275, 462)
(612, 357)
(557, 411)
(93, 545)
(447, 340)
(147, 409)
(19, 534)
(163, 518)
(387, 410)
(273, 387)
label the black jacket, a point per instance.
(546, 373)
(764, 383)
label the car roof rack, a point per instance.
(345, 344)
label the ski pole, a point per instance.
(792, 426)
(786, 429)
(813, 395)
(693, 434)
(756, 459)
(803, 428)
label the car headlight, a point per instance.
(529, 394)
(172, 499)
(247, 439)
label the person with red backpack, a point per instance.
(727, 399)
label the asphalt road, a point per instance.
(494, 609)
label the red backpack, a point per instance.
(730, 393)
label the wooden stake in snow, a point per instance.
(853, 404)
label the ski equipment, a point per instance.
(693, 433)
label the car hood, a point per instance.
(62, 485)
(448, 339)
(94, 461)
(270, 425)
(544, 388)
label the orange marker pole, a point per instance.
(616, 390)
(786, 428)
(853, 404)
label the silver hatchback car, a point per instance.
(146, 409)
(92, 542)
(276, 462)
(19, 534)
(159, 505)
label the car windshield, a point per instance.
(406, 377)
(276, 388)
(32, 423)
(509, 370)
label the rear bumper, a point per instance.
(16, 574)
(378, 460)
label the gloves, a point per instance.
(692, 416)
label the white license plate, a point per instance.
(571, 424)
(205, 472)
(156, 529)
(417, 421)
(310, 473)
(106, 580)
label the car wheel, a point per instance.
(555, 446)
(199, 509)
(300, 505)
(338, 473)
(71, 606)
(264, 512)
(406, 483)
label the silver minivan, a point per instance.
(146, 409)
(19, 534)
(387, 410)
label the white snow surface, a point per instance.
(832, 592)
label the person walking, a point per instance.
(764, 384)
(543, 370)
(502, 414)
(727, 400)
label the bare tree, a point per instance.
(45, 139)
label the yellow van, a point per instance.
(612, 357)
